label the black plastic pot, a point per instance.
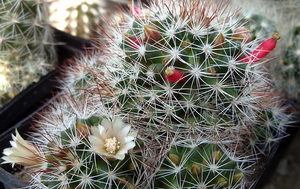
(20, 110)
(29, 99)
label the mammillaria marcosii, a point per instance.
(173, 74)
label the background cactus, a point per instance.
(82, 18)
(272, 16)
(189, 78)
(288, 69)
(26, 44)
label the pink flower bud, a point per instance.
(174, 75)
(135, 11)
(262, 50)
(136, 42)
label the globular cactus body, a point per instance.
(191, 74)
(202, 166)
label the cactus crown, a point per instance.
(181, 71)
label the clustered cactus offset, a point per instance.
(83, 18)
(178, 96)
(26, 44)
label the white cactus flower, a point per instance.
(22, 152)
(112, 139)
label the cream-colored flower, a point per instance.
(22, 152)
(112, 139)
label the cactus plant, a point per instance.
(82, 18)
(189, 78)
(285, 71)
(202, 166)
(26, 44)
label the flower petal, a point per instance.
(124, 148)
(106, 124)
(100, 138)
(22, 152)
(123, 132)
(117, 125)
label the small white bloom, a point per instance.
(22, 152)
(112, 139)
